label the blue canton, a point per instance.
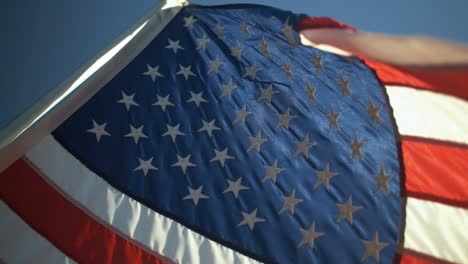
(227, 124)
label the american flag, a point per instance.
(226, 140)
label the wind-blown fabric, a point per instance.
(228, 141)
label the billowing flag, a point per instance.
(227, 140)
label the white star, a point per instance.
(287, 68)
(174, 45)
(189, 21)
(356, 147)
(250, 219)
(195, 195)
(373, 248)
(309, 236)
(346, 210)
(219, 30)
(227, 89)
(272, 171)
(214, 65)
(136, 133)
(209, 127)
(264, 47)
(310, 92)
(284, 119)
(344, 86)
(185, 71)
(333, 119)
(267, 93)
(98, 130)
(317, 61)
(145, 165)
(235, 187)
(256, 142)
(221, 156)
(241, 115)
(237, 50)
(173, 132)
(289, 202)
(202, 42)
(197, 98)
(127, 100)
(245, 29)
(163, 102)
(153, 72)
(382, 179)
(288, 32)
(373, 112)
(304, 146)
(183, 163)
(323, 177)
(252, 71)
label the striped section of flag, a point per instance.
(123, 230)
(18, 237)
(433, 142)
(68, 225)
(430, 108)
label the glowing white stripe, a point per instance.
(325, 47)
(131, 218)
(430, 115)
(437, 230)
(21, 244)
(391, 49)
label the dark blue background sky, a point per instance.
(43, 42)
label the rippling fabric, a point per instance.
(137, 142)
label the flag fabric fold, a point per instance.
(226, 140)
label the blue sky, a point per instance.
(44, 42)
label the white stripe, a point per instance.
(391, 49)
(430, 115)
(437, 230)
(159, 233)
(325, 47)
(19, 243)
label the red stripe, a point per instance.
(321, 22)
(408, 259)
(64, 224)
(448, 81)
(436, 171)
(412, 257)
